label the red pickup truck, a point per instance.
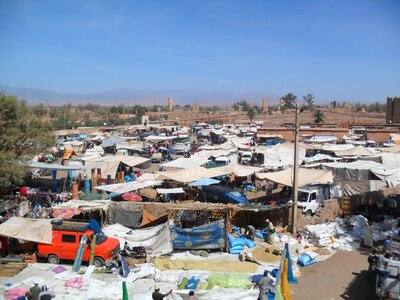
(65, 244)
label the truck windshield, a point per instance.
(100, 238)
(303, 197)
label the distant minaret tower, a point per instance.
(170, 103)
(265, 104)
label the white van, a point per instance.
(310, 197)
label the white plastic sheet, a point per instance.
(156, 240)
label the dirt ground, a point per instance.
(343, 276)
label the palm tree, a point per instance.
(309, 101)
(319, 117)
(251, 113)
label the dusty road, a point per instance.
(343, 276)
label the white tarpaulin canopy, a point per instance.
(38, 165)
(306, 176)
(109, 164)
(391, 159)
(319, 157)
(239, 170)
(34, 230)
(395, 137)
(130, 146)
(196, 173)
(327, 147)
(184, 163)
(280, 155)
(192, 174)
(356, 151)
(84, 205)
(121, 188)
(159, 138)
(156, 240)
(171, 191)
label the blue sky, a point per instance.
(333, 49)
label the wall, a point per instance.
(288, 134)
(396, 110)
(381, 135)
(330, 210)
(393, 110)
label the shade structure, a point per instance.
(66, 213)
(148, 192)
(205, 181)
(111, 195)
(132, 197)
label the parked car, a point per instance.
(65, 244)
(157, 158)
(181, 148)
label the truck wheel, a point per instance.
(53, 259)
(98, 262)
(309, 212)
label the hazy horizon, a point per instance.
(336, 50)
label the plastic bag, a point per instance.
(76, 282)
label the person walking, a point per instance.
(46, 294)
(264, 285)
(157, 295)
(35, 291)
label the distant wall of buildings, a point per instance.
(187, 118)
(378, 135)
(288, 134)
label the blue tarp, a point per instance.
(205, 181)
(172, 150)
(237, 197)
(209, 236)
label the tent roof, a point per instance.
(191, 174)
(159, 138)
(171, 191)
(34, 230)
(110, 142)
(356, 151)
(184, 163)
(306, 176)
(355, 165)
(130, 146)
(126, 187)
(319, 157)
(196, 173)
(130, 161)
(38, 165)
(84, 205)
(205, 181)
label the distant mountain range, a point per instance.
(136, 96)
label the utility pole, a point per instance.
(295, 171)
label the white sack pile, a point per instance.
(335, 235)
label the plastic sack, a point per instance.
(259, 235)
(305, 260)
(235, 251)
(182, 284)
(192, 283)
(237, 248)
(249, 243)
(76, 282)
(230, 280)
